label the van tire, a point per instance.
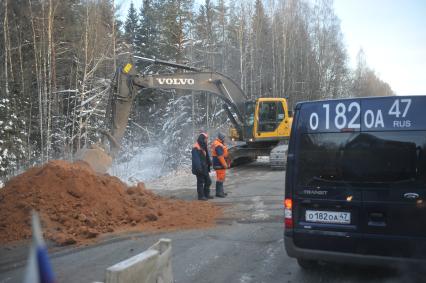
(307, 264)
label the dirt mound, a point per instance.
(76, 204)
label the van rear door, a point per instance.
(360, 182)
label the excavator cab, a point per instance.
(266, 119)
(272, 121)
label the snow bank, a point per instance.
(177, 180)
(146, 165)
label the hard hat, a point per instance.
(221, 136)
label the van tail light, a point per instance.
(288, 213)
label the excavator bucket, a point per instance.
(96, 157)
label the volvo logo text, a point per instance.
(175, 81)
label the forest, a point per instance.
(58, 60)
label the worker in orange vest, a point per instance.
(220, 163)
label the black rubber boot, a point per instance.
(200, 188)
(201, 195)
(223, 190)
(207, 194)
(219, 190)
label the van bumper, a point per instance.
(351, 258)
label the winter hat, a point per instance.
(221, 136)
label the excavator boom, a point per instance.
(129, 82)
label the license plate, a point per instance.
(332, 217)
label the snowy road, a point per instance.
(246, 246)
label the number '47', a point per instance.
(397, 105)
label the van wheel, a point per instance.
(307, 263)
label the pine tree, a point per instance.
(261, 44)
(131, 26)
(148, 31)
(200, 25)
(205, 35)
(177, 19)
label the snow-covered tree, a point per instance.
(12, 140)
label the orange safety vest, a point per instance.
(219, 161)
(198, 147)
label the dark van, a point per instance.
(356, 181)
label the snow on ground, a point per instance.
(180, 179)
(176, 180)
(146, 165)
(184, 179)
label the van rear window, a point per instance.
(378, 159)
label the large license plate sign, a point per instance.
(331, 217)
(384, 114)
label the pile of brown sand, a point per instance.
(76, 204)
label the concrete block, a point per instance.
(164, 262)
(151, 266)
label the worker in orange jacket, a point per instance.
(220, 163)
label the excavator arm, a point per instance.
(128, 82)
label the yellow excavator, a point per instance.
(258, 126)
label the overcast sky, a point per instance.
(392, 34)
(393, 37)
